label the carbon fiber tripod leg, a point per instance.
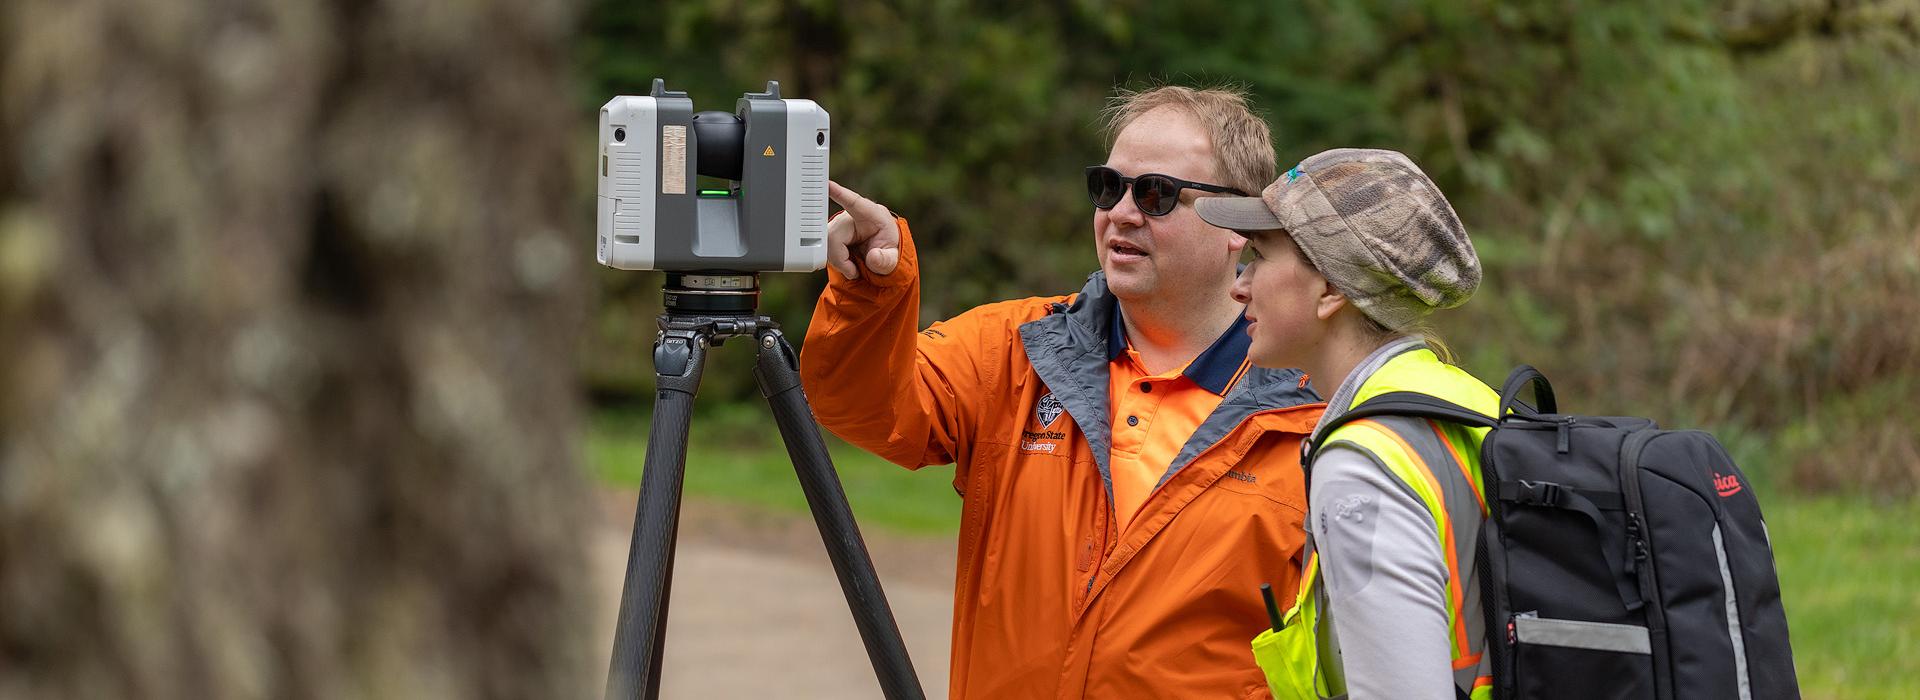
(640, 633)
(777, 373)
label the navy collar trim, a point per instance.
(1214, 370)
(1116, 336)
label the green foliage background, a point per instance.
(1705, 212)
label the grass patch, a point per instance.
(735, 454)
(1849, 565)
(1848, 572)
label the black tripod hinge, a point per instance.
(677, 359)
(776, 366)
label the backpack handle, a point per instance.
(1517, 382)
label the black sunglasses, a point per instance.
(1155, 194)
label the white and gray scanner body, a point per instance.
(769, 215)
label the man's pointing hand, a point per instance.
(867, 232)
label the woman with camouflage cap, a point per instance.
(1352, 250)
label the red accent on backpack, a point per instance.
(1727, 485)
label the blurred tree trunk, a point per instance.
(289, 294)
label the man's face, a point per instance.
(1175, 256)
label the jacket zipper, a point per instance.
(1196, 458)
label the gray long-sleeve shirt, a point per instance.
(1386, 579)
(1382, 565)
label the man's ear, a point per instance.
(1330, 301)
(1236, 243)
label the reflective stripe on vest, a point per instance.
(1415, 452)
(1439, 464)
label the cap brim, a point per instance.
(1237, 213)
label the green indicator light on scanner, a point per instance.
(713, 193)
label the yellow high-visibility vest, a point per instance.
(1439, 462)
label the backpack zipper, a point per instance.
(1640, 537)
(1494, 596)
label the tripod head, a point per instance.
(711, 293)
(715, 304)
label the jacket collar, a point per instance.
(1070, 350)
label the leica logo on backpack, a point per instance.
(1726, 484)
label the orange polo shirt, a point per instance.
(1154, 415)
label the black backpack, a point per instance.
(1618, 560)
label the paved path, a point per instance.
(758, 613)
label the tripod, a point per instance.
(705, 309)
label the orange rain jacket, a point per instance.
(1052, 600)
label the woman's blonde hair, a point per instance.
(1420, 330)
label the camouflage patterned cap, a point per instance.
(1373, 224)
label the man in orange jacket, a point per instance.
(1129, 479)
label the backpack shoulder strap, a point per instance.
(1399, 403)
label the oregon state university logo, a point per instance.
(1726, 484)
(1048, 410)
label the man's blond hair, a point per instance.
(1242, 143)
